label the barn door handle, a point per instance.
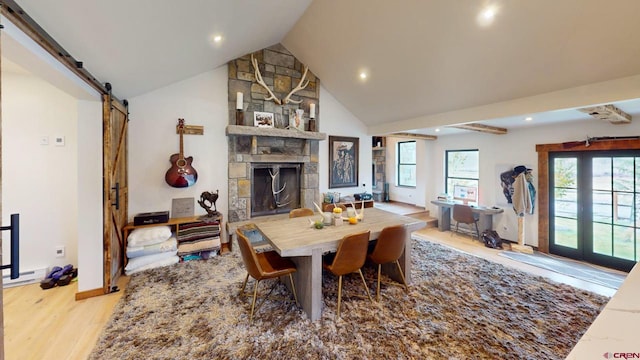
(117, 189)
(15, 249)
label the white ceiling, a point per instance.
(430, 63)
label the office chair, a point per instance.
(464, 214)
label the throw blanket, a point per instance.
(150, 261)
(137, 251)
(198, 237)
(208, 244)
(196, 231)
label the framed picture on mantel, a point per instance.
(263, 119)
(343, 161)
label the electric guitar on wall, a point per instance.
(181, 174)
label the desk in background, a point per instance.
(485, 218)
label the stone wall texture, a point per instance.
(281, 71)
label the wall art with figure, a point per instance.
(343, 161)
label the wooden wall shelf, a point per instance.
(240, 130)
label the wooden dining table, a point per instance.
(296, 239)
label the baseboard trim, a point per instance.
(89, 294)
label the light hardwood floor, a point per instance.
(50, 324)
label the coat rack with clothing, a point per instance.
(523, 199)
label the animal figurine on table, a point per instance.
(208, 200)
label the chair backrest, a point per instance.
(390, 244)
(249, 256)
(330, 207)
(351, 253)
(300, 212)
(463, 214)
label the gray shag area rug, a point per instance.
(458, 307)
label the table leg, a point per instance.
(485, 221)
(444, 218)
(308, 281)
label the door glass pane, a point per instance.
(637, 166)
(602, 239)
(566, 232)
(623, 211)
(602, 206)
(565, 174)
(601, 173)
(623, 242)
(566, 203)
(623, 174)
(637, 245)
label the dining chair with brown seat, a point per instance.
(262, 266)
(349, 258)
(388, 248)
(300, 212)
(464, 214)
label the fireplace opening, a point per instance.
(275, 188)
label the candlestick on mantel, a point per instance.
(312, 111)
(239, 101)
(239, 117)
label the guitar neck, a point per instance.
(181, 144)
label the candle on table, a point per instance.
(239, 101)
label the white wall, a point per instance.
(40, 181)
(336, 120)
(501, 152)
(200, 100)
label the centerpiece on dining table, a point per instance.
(336, 218)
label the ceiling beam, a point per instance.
(481, 128)
(608, 113)
(414, 136)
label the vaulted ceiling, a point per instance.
(429, 63)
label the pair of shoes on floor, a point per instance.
(59, 276)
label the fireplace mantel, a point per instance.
(240, 130)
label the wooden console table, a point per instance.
(347, 201)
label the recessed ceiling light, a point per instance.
(487, 15)
(528, 118)
(438, 130)
(363, 75)
(217, 38)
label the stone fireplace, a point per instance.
(253, 152)
(278, 159)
